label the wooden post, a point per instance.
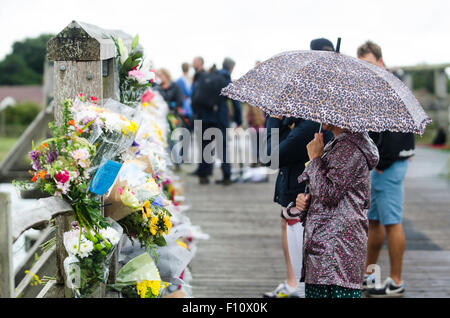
(6, 262)
(83, 56)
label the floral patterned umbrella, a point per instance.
(331, 88)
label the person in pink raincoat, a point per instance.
(335, 213)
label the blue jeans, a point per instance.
(387, 194)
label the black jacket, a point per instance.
(173, 95)
(220, 116)
(292, 154)
(393, 146)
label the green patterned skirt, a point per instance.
(330, 291)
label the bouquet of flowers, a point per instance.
(87, 265)
(135, 75)
(139, 278)
(151, 219)
(60, 167)
(110, 128)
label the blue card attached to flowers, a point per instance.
(104, 177)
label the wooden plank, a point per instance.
(244, 258)
(45, 235)
(81, 41)
(62, 224)
(46, 209)
(72, 78)
(46, 289)
(6, 261)
(35, 269)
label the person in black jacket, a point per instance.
(173, 96)
(386, 207)
(294, 134)
(216, 117)
(169, 90)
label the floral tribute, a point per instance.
(151, 219)
(60, 167)
(135, 74)
(91, 253)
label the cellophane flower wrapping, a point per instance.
(112, 128)
(90, 253)
(61, 167)
(139, 278)
(135, 72)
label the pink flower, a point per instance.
(62, 177)
(63, 187)
(120, 190)
(148, 96)
(80, 154)
(137, 74)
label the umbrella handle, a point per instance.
(338, 45)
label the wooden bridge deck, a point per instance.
(243, 257)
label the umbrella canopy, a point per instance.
(331, 88)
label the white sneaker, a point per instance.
(388, 290)
(284, 291)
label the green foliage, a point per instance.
(21, 114)
(6, 143)
(25, 65)
(423, 80)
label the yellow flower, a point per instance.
(182, 244)
(154, 225)
(146, 210)
(34, 278)
(142, 288)
(154, 285)
(132, 128)
(154, 220)
(167, 223)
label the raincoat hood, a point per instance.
(367, 147)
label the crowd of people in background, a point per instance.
(340, 167)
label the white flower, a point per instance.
(124, 55)
(74, 246)
(152, 186)
(111, 235)
(63, 187)
(123, 51)
(113, 123)
(80, 154)
(86, 248)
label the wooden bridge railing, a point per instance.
(83, 56)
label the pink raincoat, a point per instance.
(336, 224)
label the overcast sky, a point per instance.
(409, 32)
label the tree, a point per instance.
(25, 65)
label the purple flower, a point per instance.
(158, 201)
(135, 144)
(35, 157)
(52, 153)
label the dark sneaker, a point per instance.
(368, 282)
(226, 181)
(388, 290)
(204, 180)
